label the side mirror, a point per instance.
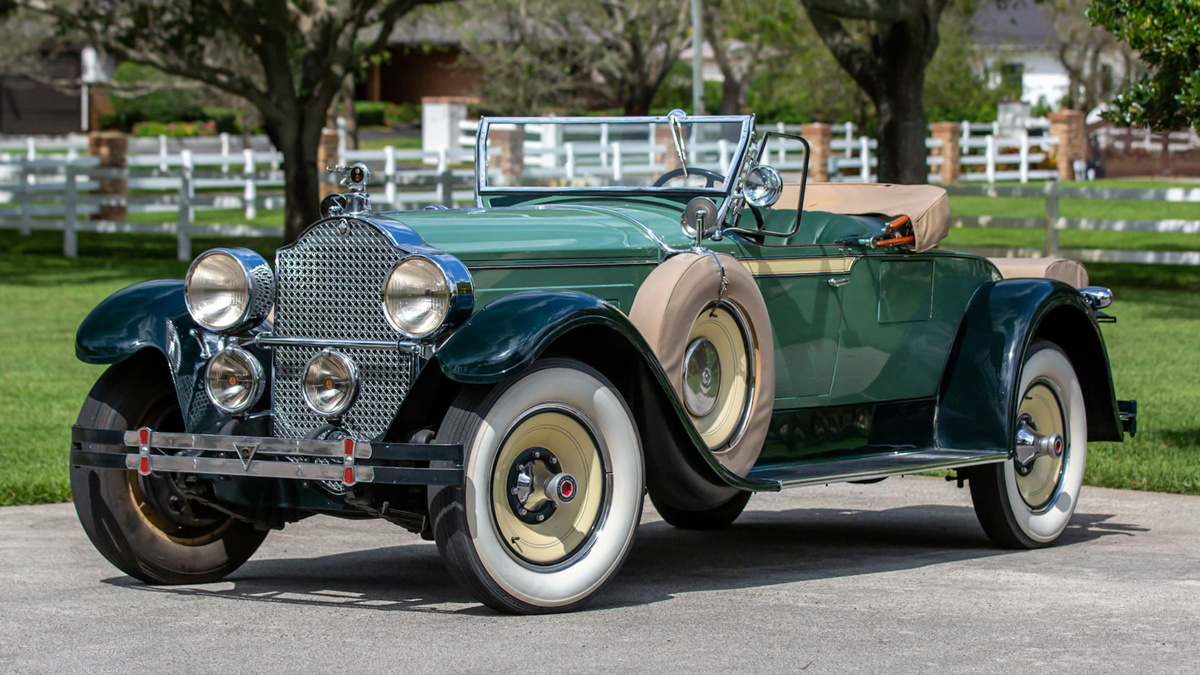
(699, 218)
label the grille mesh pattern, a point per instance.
(263, 278)
(330, 284)
(329, 288)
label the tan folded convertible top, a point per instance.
(926, 205)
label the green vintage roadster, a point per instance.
(634, 306)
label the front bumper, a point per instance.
(347, 461)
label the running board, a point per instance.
(869, 467)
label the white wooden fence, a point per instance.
(1052, 223)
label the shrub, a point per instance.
(370, 113)
(175, 129)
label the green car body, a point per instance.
(886, 360)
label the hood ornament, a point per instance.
(355, 200)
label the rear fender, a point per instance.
(511, 333)
(977, 399)
(151, 316)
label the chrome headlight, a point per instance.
(330, 383)
(227, 290)
(763, 186)
(416, 296)
(234, 380)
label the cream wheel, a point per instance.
(718, 374)
(554, 480)
(1027, 501)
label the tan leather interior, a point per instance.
(1068, 271)
(666, 306)
(926, 205)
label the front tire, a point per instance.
(1029, 506)
(501, 534)
(144, 525)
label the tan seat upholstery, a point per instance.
(1068, 271)
(926, 205)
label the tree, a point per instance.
(537, 52)
(744, 38)
(286, 58)
(1086, 52)
(890, 69)
(1167, 35)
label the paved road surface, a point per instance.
(895, 576)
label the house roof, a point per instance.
(1018, 23)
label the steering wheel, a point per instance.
(712, 176)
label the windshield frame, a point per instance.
(727, 191)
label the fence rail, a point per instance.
(1052, 223)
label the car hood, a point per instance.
(558, 233)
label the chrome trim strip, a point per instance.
(267, 445)
(268, 340)
(885, 473)
(234, 467)
(638, 263)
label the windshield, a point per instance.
(560, 154)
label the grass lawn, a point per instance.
(45, 296)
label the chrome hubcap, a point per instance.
(702, 377)
(1040, 446)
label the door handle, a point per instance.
(838, 283)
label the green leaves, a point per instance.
(1167, 34)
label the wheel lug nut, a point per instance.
(554, 460)
(541, 517)
(537, 455)
(512, 491)
(523, 512)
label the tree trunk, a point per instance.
(731, 95)
(899, 104)
(302, 196)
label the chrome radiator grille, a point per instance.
(329, 288)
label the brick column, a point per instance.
(327, 155)
(511, 161)
(950, 134)
(111, 147)
(1069, 127)
(819, 136)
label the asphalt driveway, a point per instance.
(889, 577)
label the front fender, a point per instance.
(152, 316)
(510, 333)
(977, 398)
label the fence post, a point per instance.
(849, 139)
(966, 136)
(604, 145)
(865, 154)
(71, 224)
(26, 198)
(950, 134)
(187, 190)
(111, 148)
(991, 159)
(225, 151)
(162, 152)
(820, 137)
(1051, 219)
(445, 180)
(342, 142)
(250, 193)
(389, 175)
(570, 148)
(616, 146)
(1024, 168)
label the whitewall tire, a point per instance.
(1028, 504)
(515, 534)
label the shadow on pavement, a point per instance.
(763, 548)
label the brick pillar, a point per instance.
(1069, 127)
(327, 156)
(111, 147)
(668, 157)
(511, 161)
(819, 136)
(950, 134)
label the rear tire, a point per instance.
(716, 518)
(1029, 508)
(489, 531)
(144, 525)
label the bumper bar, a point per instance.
(347, 461)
